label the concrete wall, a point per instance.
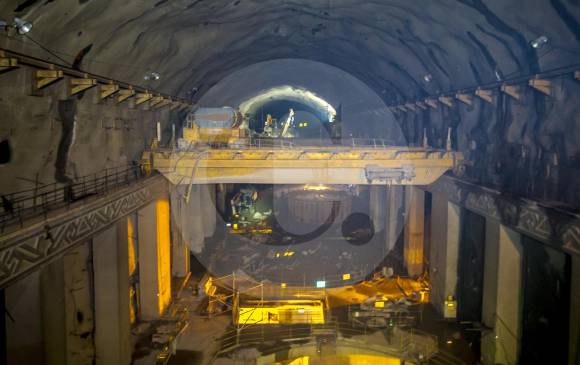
(47, 142)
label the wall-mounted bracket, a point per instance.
(165, 102)
(43, 78)
(7, 63)
(432, 103)
(156, 100)
(511, 90)
(543, 86)
(421, 105)
(486, 95)
(140, 98)
(411, 107)
(464, 98)
(78, 85)
(108, 90)
(446, 100)
(125, 94)
(177, 104)
(183, 106)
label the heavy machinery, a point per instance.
(214, 127)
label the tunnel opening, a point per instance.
(290, 112)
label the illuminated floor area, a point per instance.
(343, 360)
(217, 339)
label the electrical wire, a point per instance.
(48, 50)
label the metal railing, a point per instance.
(291, 143)
(18, 206)
(408, 344)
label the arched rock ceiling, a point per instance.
(388, 44)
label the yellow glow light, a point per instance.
(379, 304)
(319, 187)
(283, 285)
(163, 254)
(235, 226)
(346, 276)
(282, 312)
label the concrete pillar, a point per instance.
(490, 282)
(444, 250)
(490, 273)
(509, 297)
(179, 247)
(154, 259)
(111, 282)
(394, 216)
(208, 209)
(79, 305)
(414, 230)
(179, 259)
(502, 294)
(377, 206)
(23, 318)
(68, 321)
(574, 346)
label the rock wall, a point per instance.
(402, 50)
(527, 148)
(59, 138)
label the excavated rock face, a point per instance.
(402, 50)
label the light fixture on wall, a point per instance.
(539, 42)
(19, 25)
(428, 78)
(152, 76)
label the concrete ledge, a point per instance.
(27, 249)
(553, 226)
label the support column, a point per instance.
(154, 259)
(179, 248)
(509, 297)
(68, 321)
(394, 216)
(111, 281)
(208, 209)
(23, 318)
(490, 282)
(377, 206)
(444, 250)
(414, 230)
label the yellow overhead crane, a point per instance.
(216, 148)
(304, 165)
